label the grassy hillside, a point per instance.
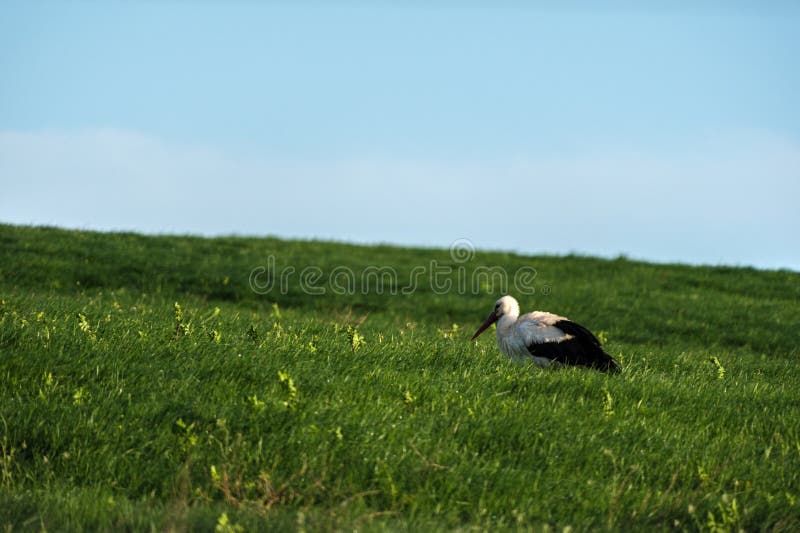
(160, 383)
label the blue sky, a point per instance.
(663, 133)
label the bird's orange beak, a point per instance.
(491, 319)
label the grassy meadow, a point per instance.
(160, 383)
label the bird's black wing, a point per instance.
(576, 330)
(582, 349)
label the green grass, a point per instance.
(292, 411)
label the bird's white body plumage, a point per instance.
(515, 333)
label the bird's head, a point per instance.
(506, 305)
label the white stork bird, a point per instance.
(544, 337)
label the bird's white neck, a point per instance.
(505, 323)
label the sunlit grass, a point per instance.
(144, 386)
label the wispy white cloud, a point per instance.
(726, 198)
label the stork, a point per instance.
(545, 338)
